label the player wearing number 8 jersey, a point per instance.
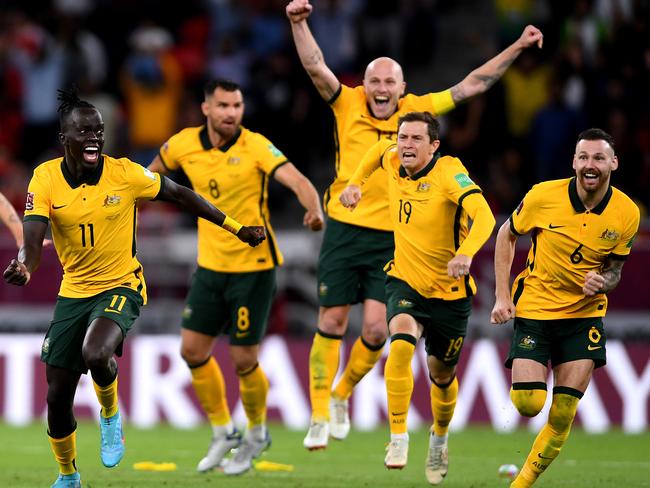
(582, 231)
(431, 200)
(233, 286)
(90, 199)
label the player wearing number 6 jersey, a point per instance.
(429, 286)
(90, 199)
(233, 286)
(582, 231)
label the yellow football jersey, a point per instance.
(568, 241)
(429, 221)
(93, 222)
(235, 178)
(355, 131)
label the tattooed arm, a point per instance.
(309, 53)
(482, 78)
(10, 218)
(606, 280)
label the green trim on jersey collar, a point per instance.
(89, 179)
(423, 172)
(577, 204)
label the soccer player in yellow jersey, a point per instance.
(582, 231)
(90, 200)
(357, 245)
(429, 286)
(233, 287)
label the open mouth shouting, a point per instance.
(91, 153)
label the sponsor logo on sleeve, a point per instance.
(149, 174)
(275, 151)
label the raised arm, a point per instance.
(10, 218)
(482, 78)
(289, 176)
(504, 253)
(193, 203)
(309, 53)
(20, 269)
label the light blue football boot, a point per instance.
(68, 481)
(112, 440)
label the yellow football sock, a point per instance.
(65, 452)
(551, 438)
(107, 396)
(323, 364)
(399, 380)
(207, 380)
(529, 398)
(443, 403)
(362, 358)
(253, 387)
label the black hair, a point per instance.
(69, 102)
(597, 135)
(226, 85)
(433, 126)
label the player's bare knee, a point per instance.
(528, 398)
(193, 357)
(375, 333)
(96, 357)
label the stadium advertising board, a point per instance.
(155, 386)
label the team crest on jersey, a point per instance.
(404, 303)
(322, 289)
(29, 204)
(610, 235)
(463, 180)
(423, 187)
(233, 161)
(45, 348)
(275, 151)
(528, 343)
(112, 201)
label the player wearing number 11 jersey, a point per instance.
(428, 289)
(90, 199)
(233, 286)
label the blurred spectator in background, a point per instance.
(151, 83)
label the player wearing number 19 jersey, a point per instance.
(233, 287)
(428, 289)
(582, 231)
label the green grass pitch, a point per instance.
(608, 460)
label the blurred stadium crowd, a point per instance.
(143, 64)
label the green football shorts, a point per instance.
(351, 264)
(237, 304)
(444, 321)
(561, 341)
(72, 317)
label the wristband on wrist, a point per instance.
(231, 225)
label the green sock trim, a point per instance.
(529, 385)
(328, 335)
(370, 346)
(404, 337)
(568, 391)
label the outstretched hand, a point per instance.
(16, 273)
(531, 35)
(252, 235)
(298, 10)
